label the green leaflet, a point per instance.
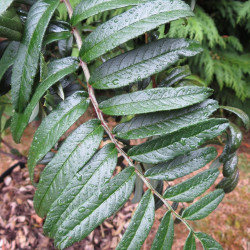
(84, 219)
(165, 235)
(56, 71)
(8, 57)
(161, 123)
(152, 100)
(71, 157)
(4, 5)
(228, 184)
(230, 165)
(131, 24)
(179, 142)
(241, 114)
(12, 35)
(55, 125)
(11, 23)
(182, 165)
(88, 181)
(26, 62)
(208, 242)
(175, 75)
(234, 140)
(140, 225)
(142, 62)
(190, 242)
(193, 187)
(86, 9)
(204, 206)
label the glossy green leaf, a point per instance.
(75, 152)
(4, 5)
(142, 62)
(208, 242)
(179, 142)
(152, 100)
(193, 187)
(86, 9)
(26, 62)
(190, 242)
(55, 125)
(204, 206)
(87, 182)
(131, 24)
(11, 34)
(8, 57)
(182, 165)
(56, 71)
(230, 165)
(165, 235)
(84, 219)
(140, 225)
(241, 114)
(175, 75)
(161, 123)
(228, 184)
(11, 23)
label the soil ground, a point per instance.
(21, 228)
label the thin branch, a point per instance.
(5, 143)
(105, 126)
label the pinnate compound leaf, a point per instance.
(84, 219)
(87, 182)
(193, 187)
(8, 57)
(241, 114)
(165, 235)
(208, 242)
(142, 62)
(55, 125)
(190, 242)
(75, 152)
(140, 224)
(86, 9)
(182, 165)
(161, 123)
(56, 71)
(4, 5)
(204, 206)
(131, 24)
(179, 142)
(26, 62)
(152, 100)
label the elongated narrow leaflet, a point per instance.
(208, 242)
(85, 218)
(179, 142)
(86, 182)
(151, 100)
(165, 235)
(131, 24)
(140, 224)
(204, 206)
(160, 123)
(56, 71)
(26, 62)
(193, 187)
(86, 9)
(190, 242)
(182, 165)
(143, 62)
(55, 125)
(68, 161)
